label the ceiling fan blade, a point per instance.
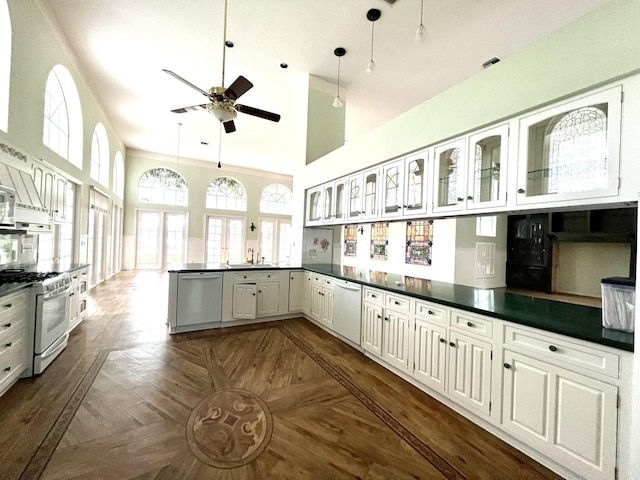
(256, 112)
(192, 108)
(186, 82)
(238, 88)
(229, 127)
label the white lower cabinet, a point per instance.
(296, 291)
(321, 298)
(244, 300)
(268, 297)
(14, 345)
(386, 327)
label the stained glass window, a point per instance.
(162, 186)
(379, 240)
(419, 242)
(448, 177)
(370, 194)
(392, 189)
(354, 198)
(415, 177)
(226, 193)
(350, 240)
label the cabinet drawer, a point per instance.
(11, 304)
(328, 282)
(11, 363)
(268, 276)
(473, 324)
(398, 303)
(564, 353)
(373, 296)
(11, 343)
(11, 323)
(430, 311)
(317, 278)
(245, 277)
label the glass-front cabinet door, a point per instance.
(314, 206)
(328, 210)
(355, 195)
(392, 189)
(415, 184)
(340, 200)
(371, 183)
(571, 150)
(487, 163)
(449, 176)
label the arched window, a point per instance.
(577, 151)
(100, 155)
(226, 193)
(163, 187)
(118, 175)
(276, 198)
(62, 129)
(5, 64)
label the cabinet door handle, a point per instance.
(507, 366)
(469, 197)
(386, 318)
(8, 344)
(253, 294)
(259, 291)
(373, 296)
(379, 316)
(245, 276)
(553, 348)
(451, 344)
(8, 305)
(459, 199)
(469, 324)
(521, 190)
(8, 369)
(291, 278)
(430, 312)
(442, 340)
(7, 325)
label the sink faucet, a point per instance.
(251, 252)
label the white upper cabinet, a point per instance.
(314, 206)
(392, 189)
(571, 150)
(354, 197)
(371, 194)
(340, 200)
(487, 172)
(415, 184)
(449, 176)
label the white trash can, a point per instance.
(618, 303)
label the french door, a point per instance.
(225, 239)
(161, 239)
(275, 240)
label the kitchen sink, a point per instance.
(249, 265)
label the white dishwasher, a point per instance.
(199, 304)
(347, 310)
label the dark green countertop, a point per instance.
(576, 321)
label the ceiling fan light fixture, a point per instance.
(421, 32)
(337, 101)
(223, 111)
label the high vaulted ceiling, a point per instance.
(122, 46)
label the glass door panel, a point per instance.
(327, 212)
(148, 240)
(225, 240)
(175, 237)
(415, 191)
(392, 175)
(355, 197)
(488, 152)
(340, 201)
(370, 209)
(449, 176)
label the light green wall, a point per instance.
(325, 124)
(35, 51)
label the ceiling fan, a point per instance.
(222, 101)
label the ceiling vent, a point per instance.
(490, 62)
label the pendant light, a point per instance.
(337, 102)
(220, 146)
(372, 16)
(421, 33)
(178, 154)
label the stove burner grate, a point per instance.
(17, 275)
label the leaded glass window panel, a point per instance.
(276, 198)
(379, 240)
(226, 193)
(164, 187)
(355, 199)
(56, 117)
(415, 183)
(370, 194)
(449, 164)
(350, 240)
(100, 155)
(486, 175)
(392, 189)
(569, 152)
(419, 242)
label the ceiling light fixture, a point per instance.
(337, 102)
(421, 33)
(178, 156)
(372, 15)
(220, 146)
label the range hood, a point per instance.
(28, 209)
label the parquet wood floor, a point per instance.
(266, 401)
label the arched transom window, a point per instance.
(163, 187)
(100, 155)
(276, 198)
(62, 128)
(5, 64)
(226, 193)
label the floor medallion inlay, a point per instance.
(229, 428)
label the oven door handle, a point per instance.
(55, 346)
(66, 291)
